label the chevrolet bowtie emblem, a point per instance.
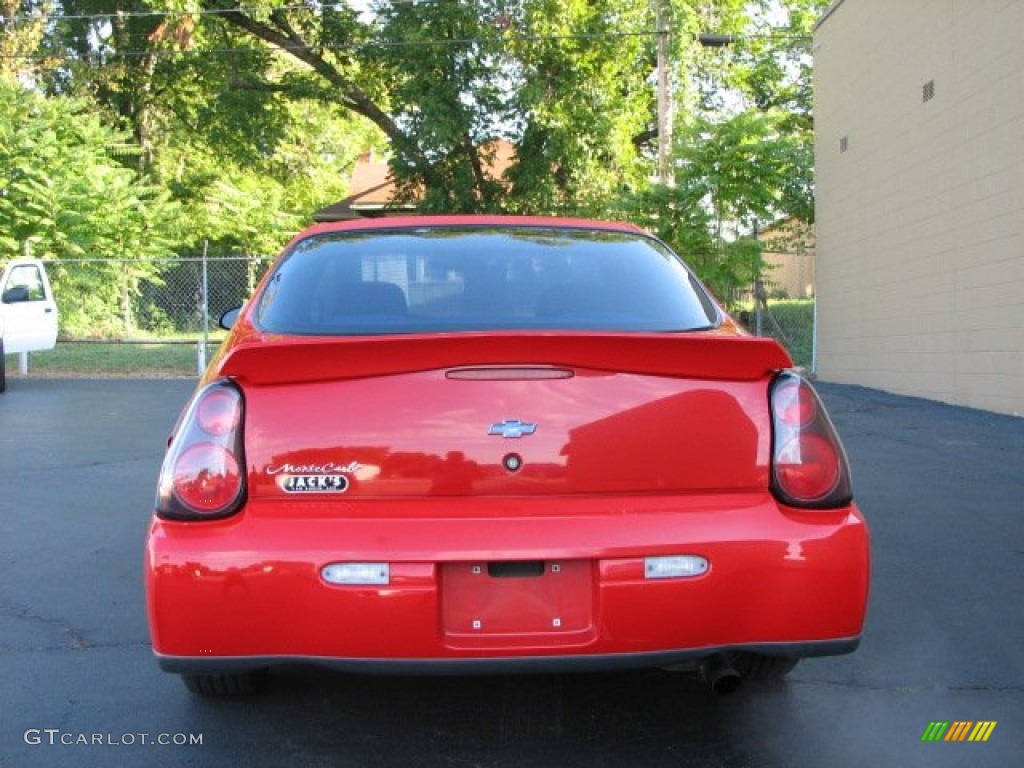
(512, 428)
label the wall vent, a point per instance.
(844, 144)
(928, 91)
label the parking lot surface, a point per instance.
(942, 488)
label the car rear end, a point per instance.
(549, 479)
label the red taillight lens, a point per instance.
(207, 477)
(203, 475)
(809, 467)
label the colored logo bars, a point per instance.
(960, 730)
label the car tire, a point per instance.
(3, 368)
(757, 666)
(238, 684)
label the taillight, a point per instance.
(203, 475)
(809, 467)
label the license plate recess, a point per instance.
(525, 603)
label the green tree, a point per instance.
(22, 31)
(251, 116)
(743, 155)
(770, 62)
(63, 191)
(207, 108)
(586, 103)
(565, 82)
(733, 175)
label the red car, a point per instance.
(499, 444)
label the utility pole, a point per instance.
(665, 175)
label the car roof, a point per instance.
(415, 222)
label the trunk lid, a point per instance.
(501, 415)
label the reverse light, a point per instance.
(203, 475)
(675, 566)
(809, 467)
(218, 413)
(357, 574)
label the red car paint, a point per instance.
(404, 449)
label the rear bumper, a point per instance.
(246, 592)
(514, 665)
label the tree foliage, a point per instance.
(743, 153)
(22, 32)
(245, 118)
(65, 195)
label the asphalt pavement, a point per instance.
(942, 488)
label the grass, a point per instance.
(112, 360)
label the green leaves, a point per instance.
(250, 118)
(63, 192)
(732, 175)
(250, 211)
(751, 169)
(584, 95)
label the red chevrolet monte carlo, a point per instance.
(497, 444)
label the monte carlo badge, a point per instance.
(313, 478)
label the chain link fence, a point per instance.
(142, 318)
(160, 318)
(791, 323)
(781, 305)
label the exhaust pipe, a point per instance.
(720, 676)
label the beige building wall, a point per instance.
(920, 201)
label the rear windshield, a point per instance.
(446, 279)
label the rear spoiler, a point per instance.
(279, 360)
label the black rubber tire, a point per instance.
(756, 666)
(3, 368)
(237, 684)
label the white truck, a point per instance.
(28, 313)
